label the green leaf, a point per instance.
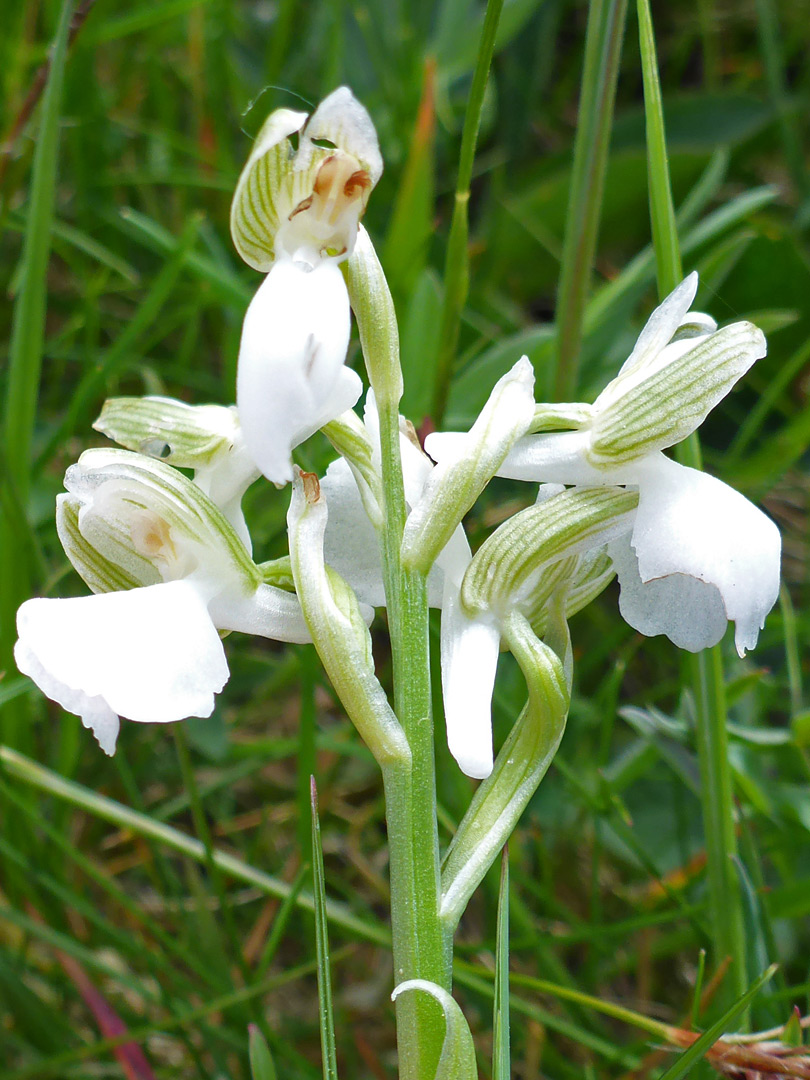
(457, 1061)
(698, 122)
(261, 1061)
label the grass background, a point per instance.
(103, 913)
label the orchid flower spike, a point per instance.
(434, 537)
(205, 438)
(698, 554)
(169, 572)
(295, 216)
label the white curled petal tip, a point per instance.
(660, 326)
(150, 654)
(469, 657)
(294, 342)
(691, 524)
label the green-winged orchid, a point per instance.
(294, 216)
(168, 572)
(698, 554)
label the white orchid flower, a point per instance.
(295, 217)
(205, 438)
(699, 553)
(168, 572)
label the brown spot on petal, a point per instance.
(303, 205)
(358, 184)
(312, 487)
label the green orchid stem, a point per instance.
(420, 951)
(706, 668)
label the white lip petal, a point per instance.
(690, 612)
(692, 524)
(294, 342)
(345, 392)
(469, 651)
(150, 654)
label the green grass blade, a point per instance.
(603, 46)
(698, 1050)
(705, 669)
(28, 325)
(773, 57)
(92, 385)
(23, 768)
(501, 1065)
(325, 1011)
(662, 210)
(26, 349)
(457, 263)
(305, 751)
(261, 1061)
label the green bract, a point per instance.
(454, 485)
(337, 625)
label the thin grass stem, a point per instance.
(705, 669)
(603, 47)
(457, 261)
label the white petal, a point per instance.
(690, 612)
(149, 654)
(268, 612)
(345, 393)
(692, 524)
(469, 650)
(294, 342)
(557, 458)
(661, 326)
(351, 545)
(341, 119)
